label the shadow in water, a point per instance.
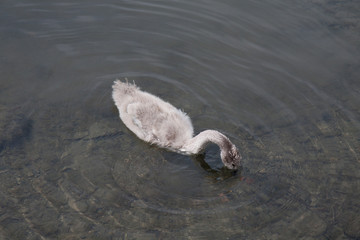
(222, 173)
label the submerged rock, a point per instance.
(14, 126)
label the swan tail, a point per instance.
(122, 89)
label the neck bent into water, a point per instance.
(198, 143)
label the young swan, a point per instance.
(158, 122)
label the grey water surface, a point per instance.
(280, 78)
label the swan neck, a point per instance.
(198, 143)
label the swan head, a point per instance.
(231, 158)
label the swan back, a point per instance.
(150, 118)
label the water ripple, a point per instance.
(273, 76)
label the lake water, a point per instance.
(280, 78)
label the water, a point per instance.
(280, 78)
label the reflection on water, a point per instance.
(280, 79)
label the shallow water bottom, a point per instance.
(99, 180)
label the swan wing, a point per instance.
(162, 124)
